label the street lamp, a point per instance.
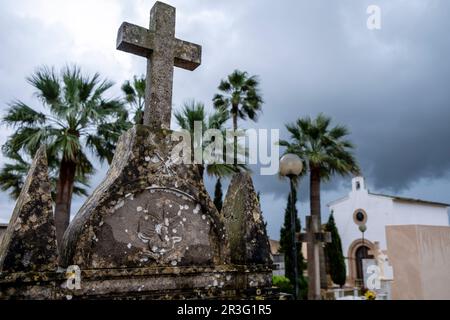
(291, 166)
(363, 229)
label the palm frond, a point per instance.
(46, 81)
(79, 118)
(224, 86)
(12, 178)
(237, 79)
(27, 139)
(218, 118)
(240, 92)
(220, 101)
(20, 114)
(192, 112)
(321, 146)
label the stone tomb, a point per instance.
(147, 211)
(149, 230)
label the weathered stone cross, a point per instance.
(314, 238)
(311, 234)
(163, 51)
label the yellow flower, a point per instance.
(370, 295)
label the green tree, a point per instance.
(286, 243)
(76, 117)
(239, 94)
(195, 111)
(218, 195)
(283, 283)
(326, 151)
(13, 174)
(134, 92)
(333, 252)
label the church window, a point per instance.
(360, 216)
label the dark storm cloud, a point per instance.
(390, 87)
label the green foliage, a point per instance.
(286, 243)
(322, 147)
(218, 195)
(134, 92)
(333, 252)
(303, 287)
(239, 93)
(195, 112)
(75, 117)
(12, 177)
(325, 151)
(283, 283)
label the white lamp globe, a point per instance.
(291, 165)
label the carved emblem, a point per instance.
(162, 224)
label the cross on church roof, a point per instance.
(163, 51)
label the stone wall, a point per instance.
(420, 257)
(2, 231)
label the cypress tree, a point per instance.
(218, 195)
(334, 255)
(286, 243)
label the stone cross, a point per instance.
(313, 237)
(163, 51)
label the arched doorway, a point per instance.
(362, 252)
(357, 251)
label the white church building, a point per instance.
(362, 210)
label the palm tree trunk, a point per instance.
(315, 192)
(235, 115)
(64, 189)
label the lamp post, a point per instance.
(291, 166)
(363, 229)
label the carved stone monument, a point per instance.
(150, 230)
(29, 243)
(244, 223)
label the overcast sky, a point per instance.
(389, 86)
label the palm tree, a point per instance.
(325, 150)
(12, 177)
(135, 97)
(239, 94)
(76, 118)
(195, 111)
